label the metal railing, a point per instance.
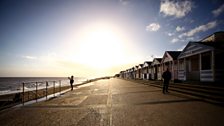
(37, 90)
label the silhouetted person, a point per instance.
(71, 81)
(166, 79)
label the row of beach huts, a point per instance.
(199, 61)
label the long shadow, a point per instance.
(114, 92)
(181, 95)
(167, 101)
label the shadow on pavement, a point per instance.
(115, 92)
(167, 101)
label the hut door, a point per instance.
(187, 69)
(156, 71)
(192, 70)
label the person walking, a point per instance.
(166, 80)
(71, 81)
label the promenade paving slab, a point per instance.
(116, 102)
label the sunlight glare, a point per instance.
(101, 46)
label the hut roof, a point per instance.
(159, 59)
(174, 54)
(216, 45)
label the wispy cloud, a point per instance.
(124, 2)
(153, 27)
(178, 28)
(174, 40)
(29, 57)
(218, 11)
(201, 28)
(170, 34)
(177, 9)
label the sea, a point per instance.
(9, 85)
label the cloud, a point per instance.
(29, 57)
(218, 11)
(170, 34)
(124, 2)
(178, 28)
(201, 28)
(177, 9)
(174, 40)
(153, 27)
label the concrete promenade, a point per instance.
(116, 102)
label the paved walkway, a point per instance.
(116, 102)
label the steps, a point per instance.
(208, 93)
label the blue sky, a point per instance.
(98, 37)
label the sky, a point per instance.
(92, 38)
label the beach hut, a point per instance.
(202, 61)
(156, 69)
(215, 37)
(140, 72)
(135, 72)
(121, 74)
(126, 74)
(169, 61)
(132, 74)
(146, 73)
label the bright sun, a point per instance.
(101, 46)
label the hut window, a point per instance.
(206, 61)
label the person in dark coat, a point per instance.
(71, 81)
(166, 80)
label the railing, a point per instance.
(37, 90)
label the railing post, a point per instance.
(59, 87)
(36, 91)
(28, 94)
(23, 93)
(54, 87)
(46, 89)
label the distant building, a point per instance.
(169, 61)
(146, 72)
(156, 69)
(139, 71)
(121, 74)
(136, 72)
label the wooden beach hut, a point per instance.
(156, 69)
(135, 72)
(139, 71)
(202, 61)
(131, 73)
(215, 37)
(146, 70)
(169, 61)
(121, 74)
(127, 73)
